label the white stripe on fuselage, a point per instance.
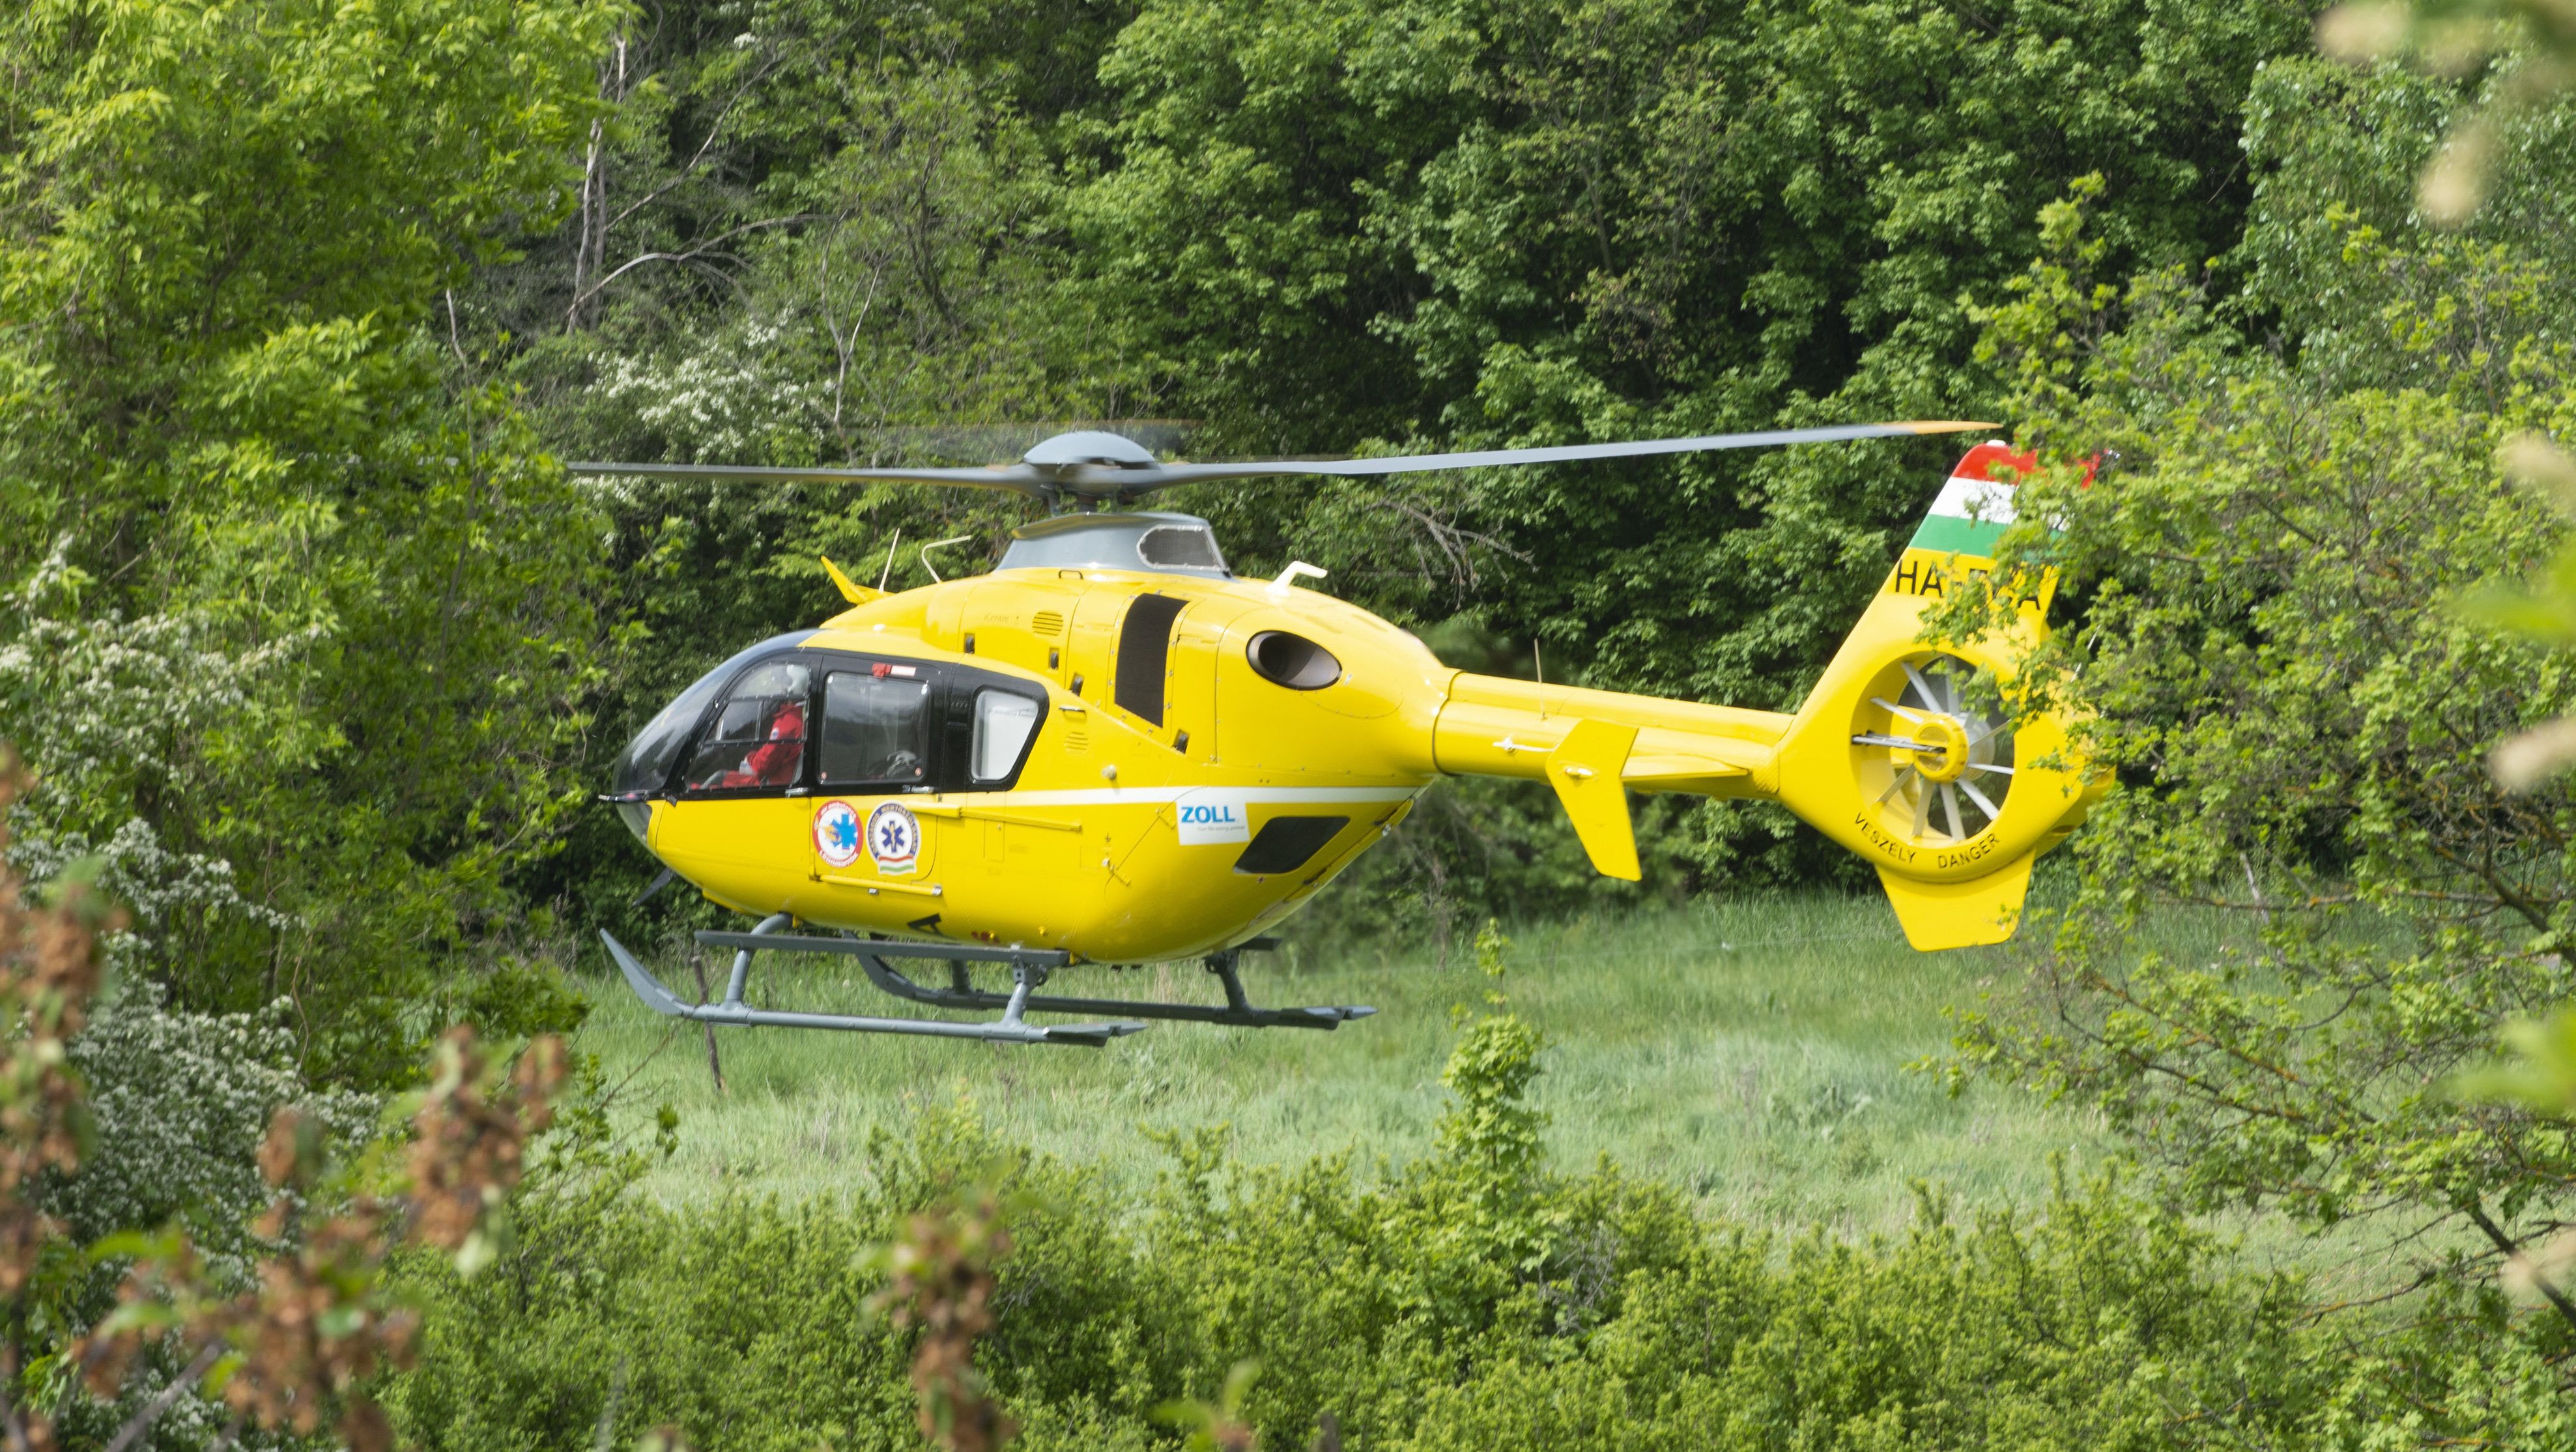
(1163, 796)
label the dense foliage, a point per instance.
(1465, 1301)
(2281, 669)
(300, 629)
(317, 652)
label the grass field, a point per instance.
(1753, 1052)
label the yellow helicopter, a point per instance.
(1112, 749)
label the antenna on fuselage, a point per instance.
(888, 572)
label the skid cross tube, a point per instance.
(733, 1011)
(872, 954)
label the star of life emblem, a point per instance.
(894, 838)
(836, 833)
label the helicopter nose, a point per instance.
(645, 769)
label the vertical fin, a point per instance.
(1970, 914)
(1584, 768)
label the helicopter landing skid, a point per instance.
(1238, 1010)
(1030, 969)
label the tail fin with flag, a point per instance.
(1897, 754)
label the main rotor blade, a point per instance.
(1120, 481)
(1559, 453)
(1017, 478)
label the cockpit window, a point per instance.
(644, 767)
(876, 728)
(757, 738)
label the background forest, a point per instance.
(314, 656)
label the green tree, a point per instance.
(2265, 571)
(1547, 222)
(297, 633)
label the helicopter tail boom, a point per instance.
(1912, 753)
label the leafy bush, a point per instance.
(2268, 649)
(1466, 1301)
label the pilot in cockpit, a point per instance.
(758, 738)
(775, 760)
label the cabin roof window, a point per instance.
(1150, 543)
(1179, 546)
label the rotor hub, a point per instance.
(1941, 749)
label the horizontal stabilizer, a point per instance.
(1938, 915)
(1681, 771)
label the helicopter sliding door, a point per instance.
(879, 743)
(898, 740)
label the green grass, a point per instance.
(1753, 1053)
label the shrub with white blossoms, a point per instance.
(101, 705)
(725, 401)
(180, 1103)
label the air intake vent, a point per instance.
(1144, 646)
(1047, 623)
(1292, 661)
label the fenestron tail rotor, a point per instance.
(1936, 768)
(1093, 467)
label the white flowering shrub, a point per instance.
(103, 707)
(181, 1102)
(726, 400)
(100, 702)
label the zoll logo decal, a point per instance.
(1208, 817)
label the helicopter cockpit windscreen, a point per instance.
(757, 738)
(644, 767)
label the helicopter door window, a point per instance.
(876, 729)
(1004, 721)
(758, 736)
